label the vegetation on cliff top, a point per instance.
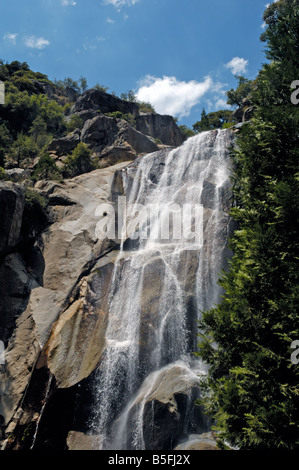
(35, 112)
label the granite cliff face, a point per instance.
(47, 327)
(64, 286)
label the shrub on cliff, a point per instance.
(75, 122)
(35, 216)
(215, 120)
(2, 174)
(78, 162)
(46, 169)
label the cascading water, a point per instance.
(159, 287)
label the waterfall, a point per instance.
(165, 274)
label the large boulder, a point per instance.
(99, 132)
(115, 140)
(95, 99)
(157, 416)
(162, 127)
(65, 145)
(70, 357)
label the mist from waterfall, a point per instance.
(160, 286)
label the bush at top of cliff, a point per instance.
(35, 216)
(126, 116)
(78, 162)
(144, 107)
(215, 120)
(2, 173)
(46, 169)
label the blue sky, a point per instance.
(181, 55)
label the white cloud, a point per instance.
(237, 65)
(11, 37)
(36, 43)
(109, 20)
(171, 96)
(120, 3)
(221, 104)
(66, 3)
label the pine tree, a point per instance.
(252, 384)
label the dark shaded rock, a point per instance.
(115, 139)
(248, 113)
(15, 287)
(159, 411)
(12, 203)
(165, 425)
(71, 94)
(99, 100)
(160, 127)
(238, 115)
(245, 112)
(66, 144)
(99, 132)
(137, 140)
(86, 114)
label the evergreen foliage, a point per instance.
(252, 389)
(46, 169)
(215, 120)
(186, 131)
(78, 162)
(144, 107)
(243, 90)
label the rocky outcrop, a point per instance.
(65, 145)
(160, 127)
(245, 112)
(111, 140)
(161, 406)
(98, 100)
(17, 275)
(115, 140)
